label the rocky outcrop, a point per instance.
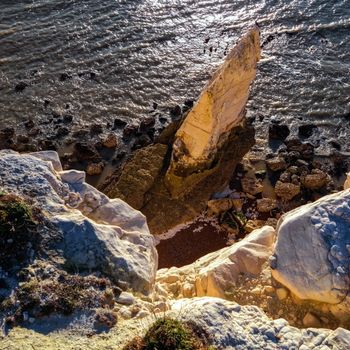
(138, 175)
(216, 274)
(232, 326)
(226, 325)
(95, 233)
(312, 253)
(220, 108)
(211, 140)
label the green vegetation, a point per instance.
(17, 231)
(170, 334)
(234, 220)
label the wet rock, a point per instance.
(147, 123)
(335, 145)
(251, 185)
(308, 154)
(65, 76)
(276, 164)
(83, 151)
(285, 176)
(20, 87)
(62, 131)
(129, 131)
(302, 163)
(81, 133)
(260, 174)
(142, 141)
(316, 180)
(189, 103)
(293, 156)
(119, 123)
(29, 124)
(305, 149)
(22, 138)
(286, 191)
(98, 145)
(96, 129)
(7, 132)
(175, 111)
(307, 130)
(110, 141)
(48, 145)
(295, 179)
(34, 132)
(293, 169)
(95, 168)
(265, 205)
(68, 118)
(278, 132)
(120, 155)
(163, 120)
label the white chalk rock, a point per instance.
(246, 327)
(98, 234)
(218, 110)
(312, 253)
(217, 273)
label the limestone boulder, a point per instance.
(218, 110)
(312, 252)
(216, 274)
(232, 326)
(93, 232)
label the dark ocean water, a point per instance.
(110, 58)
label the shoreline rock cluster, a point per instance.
(93, 148)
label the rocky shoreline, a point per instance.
(81, 267)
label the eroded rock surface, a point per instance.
(97, 234)
(246, 327)
(312, 253)
(216, 274)
(218, 110)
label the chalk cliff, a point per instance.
(94, 233)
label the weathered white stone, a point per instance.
(216, 273)
(246, 327)
(100, 235)
(219, 108)
(126, 298)
(311, 256)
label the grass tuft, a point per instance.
(169, 334)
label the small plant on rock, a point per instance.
(17, 231)
(169, 334)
